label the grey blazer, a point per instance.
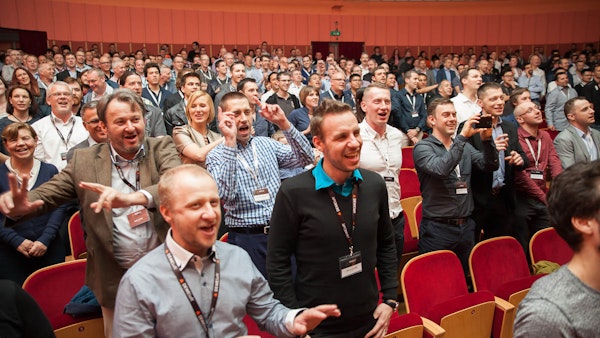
(571, 148)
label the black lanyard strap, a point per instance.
(341, 218)
(66, 142)
(205, 322)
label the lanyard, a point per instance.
(413, 102)
(156, 98)
(135, 161)
(339, 214)
(384, 155)
(207, 74)
(252, 172)
(66, 142)
(333, 96)
(190, 296)
(535, 158)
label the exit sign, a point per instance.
(335, 33)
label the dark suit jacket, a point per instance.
(481, 181)
(163, 96)
(346, 97)
(81, 145)
(441, 75)
(65, 74)
(172, 100)
(93, 164)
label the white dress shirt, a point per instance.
(56, 137)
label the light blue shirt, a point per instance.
(323, 181)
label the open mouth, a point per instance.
(244, 128)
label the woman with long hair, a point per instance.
(300, 118)
(23, 78)
(33, 243)
(195, 140)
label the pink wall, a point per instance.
(128, 26)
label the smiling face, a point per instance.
(60, 99)
(22, 147)
(443, 121)
(492, 102)
(199, 111)
(125, 127)
(22, 77)
(340, 142)
(195, 214)
(377, 106)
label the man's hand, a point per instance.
(382, 313)
(111, 198)
(553, 128)
(274, 114)
(501, 142)
(468, 129)
(15, 203)
(24, 247)
(311, 318)
(228, 127)
(411, 133)
(514, 159)
(38, 249)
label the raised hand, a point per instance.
(15, 203)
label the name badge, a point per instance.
(350, 265)
(261, 195)
(461, 188)
(63, 156)
(139, 217)
(389, 179)
(536, 175)
(414, 114)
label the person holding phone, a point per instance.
(445, 165)
(493, 192)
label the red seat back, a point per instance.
(409, 183)
(547, 245)
(76, 236)
(407, 158)
(53, 287)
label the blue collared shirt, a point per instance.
(322, 181)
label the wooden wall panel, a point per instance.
(455, 34)
(109, 25)
(202, 22)
(77, 21)
(42, 20)
(568, 31)
(151, 27)
(301, 29)
(164, 28)
(9, 16)
(26, 15)
(138, 25)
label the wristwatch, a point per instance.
(418, 129)
(391, 303)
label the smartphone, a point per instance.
(484, 122)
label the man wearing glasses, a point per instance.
(530, 184)
(91, 123)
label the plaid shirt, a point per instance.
(237, 184)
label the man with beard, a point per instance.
(77, 94)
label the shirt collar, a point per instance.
(121, 161)
(181, 256)
(371, 132)
(57, 119)
(581, 133)
(322, 180)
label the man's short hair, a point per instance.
(465, 73)
(150, 65)
(231, 96)
(282, 74)
(166, 184)
(570, 104)
(237, 63)
(435, 103)
(575, 193)
(327, 107)
(373, 85)
(483, 89)
(352, 76)
(408, 74)
(185, 76)
(87, 106)
(70, 80)
(515, 95)
(125, 75)
(506, 70)
(121, 95)
(242, 83)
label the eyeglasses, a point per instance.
(531, 110)
(61, 94)
(92, 122)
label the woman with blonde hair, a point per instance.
(194, 140)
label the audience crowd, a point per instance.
(282, 137)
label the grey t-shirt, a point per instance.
(559, 305)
